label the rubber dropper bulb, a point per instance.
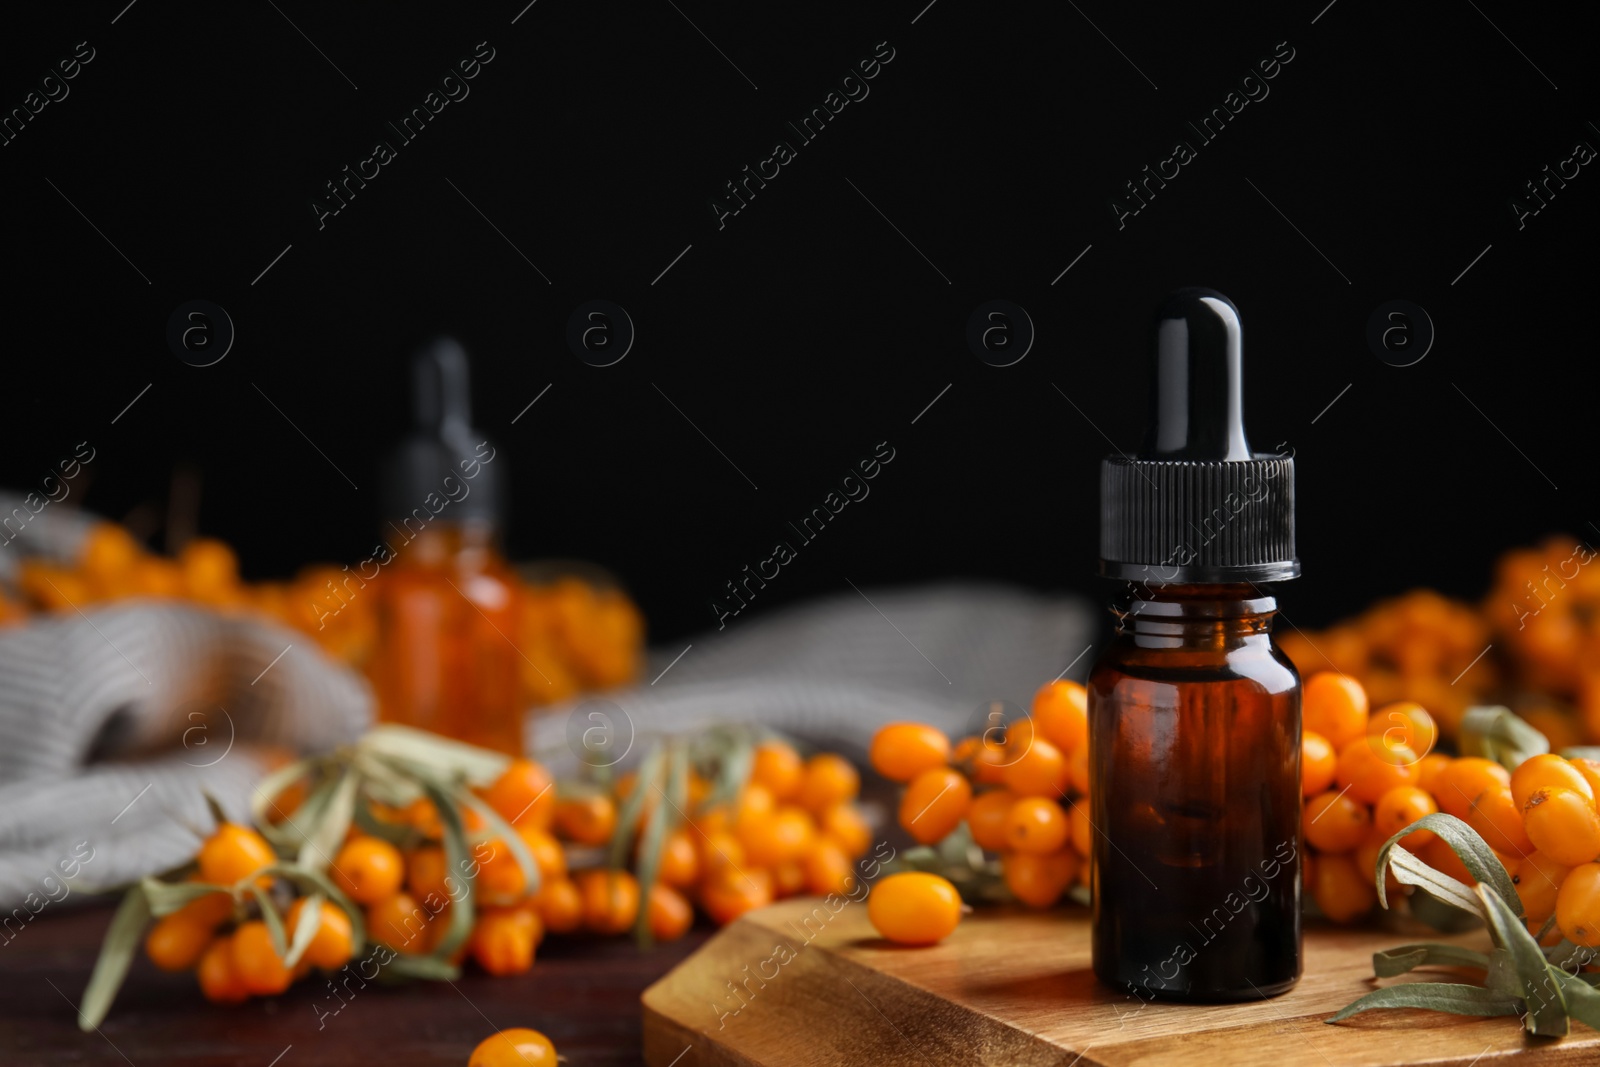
(1197, 393)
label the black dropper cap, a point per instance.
(441, 445)
(1196, 505)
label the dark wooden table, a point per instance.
(582, 992)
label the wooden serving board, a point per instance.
(1013, 987)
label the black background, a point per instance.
(808, 329)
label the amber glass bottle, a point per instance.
(1194, 715)
(447, 603)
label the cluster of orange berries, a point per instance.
(1366, 777)
(1023, 796)
(1545, 608)
(793, 828)
(573, 635)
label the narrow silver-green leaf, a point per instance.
(1445, 918)
(167, 897)
(663, 816)
(1464, 841)
(1498, 734)
(1547, 1011)
(116, 954)
(1403, 958)
(214, 806)
(442, 756)
(1453, 997)
(1409, 870)
(503, 830)
(457, 858)
(270, 916)
(305, 928)
(328, 833)
(317, 882)
(1583, 1000)
(433, 968)
(1581, 752)
(651, 772)
(263, 800)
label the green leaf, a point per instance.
(167, 897)
(442, 756)
(333, 822)
(1453, 997)
(1501, 974)
(1565, 952)
(262, 806)
(305, 928)
(651, 771)
(218, 816)
(1403, 958)
(508, 833)
(1445, 918)
(1547, 1011)
(1474, 853)
(1410, 870)
(663, 817)
(290, 834)
(1498, 734)
(1583, 1000)
(270, 916)
(316, 882)
(458, 860)
(116, 954)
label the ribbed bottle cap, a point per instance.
(1196, 505)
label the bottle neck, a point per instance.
(1174, 615)
(470, 544)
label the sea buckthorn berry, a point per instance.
(1366, 857)
(903, 750)
(1538, 879)
(1317, 763)
(1547, 770)
(1496, 819)
(719, 851)
(781, 838)
(1404, 724)
(730, 893)
(1335, 706)
(1078, 770)
(1040, 771)
(255, 961)
(547, 853)
(828, 779)
(987, 818)
(523, 795)
(847, 827)
(586, 820)
(210, 911)
(399, 922)
(368, 869)
(983, 759)
(670, 914)
(1562, 824)
(1081, 828)
(1039, 879)
(788, 879)
(1459, 784)
(176, 942)
(610, 899)
(1036, 824)
(1369, 771)
(753, 806)
(777, 767)
(1578, 905)
(1441, 857)
(1333, 822)
(514, 1048)
(827, 869)
(330, 946)
(680, 861)
(503, 940)
(428, 872)
(500, 878)
(219, 979)
(1590, 769)
(1061, 714)
(1398, 809)
(233, 853)
(1343, 892)
(934, 804)
(560, 905)
(914, 908)
(1430, 769)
